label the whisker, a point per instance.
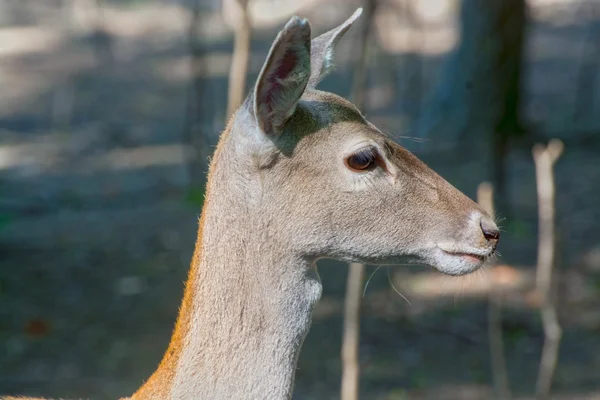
(372, 183)
(486, 273)
(498, 220)
(479, 273)
(396, 290)
(455, 296)
(414, 139)
(445, 281)
(489, 270)
(369, 280)
(387, 133)
(397, 136)
(469, 281)
(461, 292)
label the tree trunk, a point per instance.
(478, 97)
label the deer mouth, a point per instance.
(468, 256)
(455, 261)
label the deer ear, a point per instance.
(322, 49)
(283, 78)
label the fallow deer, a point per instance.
(299, 175)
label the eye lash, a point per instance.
(366, 155)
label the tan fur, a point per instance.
(279, 197)
(158, 385)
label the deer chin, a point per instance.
(453, 260)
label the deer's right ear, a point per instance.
(283, 78)
(323, 48)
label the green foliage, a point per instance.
(397, 394)
(478, 370)
(514, 333)
(418, 379)
(518, 228)
(195, 197)
(5, 220)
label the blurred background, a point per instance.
(110, 110)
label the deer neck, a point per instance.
(247, 307)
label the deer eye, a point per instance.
(362, 160)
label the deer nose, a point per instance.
(490, 230)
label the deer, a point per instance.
(300, 175)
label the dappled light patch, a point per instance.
(433, 284)
(19, 41)
(402, 38)
(213, 65)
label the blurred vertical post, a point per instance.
(360, 72)
(192, 137)
(485, 198)
(351, 334)
(413, 70)
(545, 158)
(351, 339)
(240, 22)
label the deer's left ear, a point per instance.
(283, 78)
(322, 49)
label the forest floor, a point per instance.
(98, 216)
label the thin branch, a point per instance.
(485, 198)
(415, 40)
(351, 340)
(192, 138)
(241, 55)
(545, 158)
(360, 74)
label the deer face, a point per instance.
(334, 186)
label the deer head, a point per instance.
(300, 174)
(331, 184)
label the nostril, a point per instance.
(489, 229)
(491, 234)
